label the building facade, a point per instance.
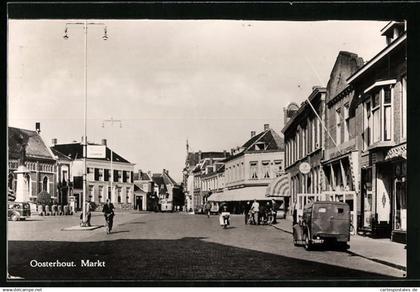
(106, 178)
(207, 162)
(143, 191)
(380, 90)
(163, 186)
(304, 144)
(341, 155)
(251, 168)
(40, 163)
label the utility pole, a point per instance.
(85, 25)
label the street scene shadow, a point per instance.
(131, 223)
(179, 259)
(119, 231)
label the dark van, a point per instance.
(323, 222)
(18, 211)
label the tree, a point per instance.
(43, 198)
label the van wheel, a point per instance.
(307, 240)
(14, 217)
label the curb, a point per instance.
(392, 265)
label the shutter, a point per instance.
(124, 176)
(132, 177)
(106, 174)
(115, 175)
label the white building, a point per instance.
(106, 178)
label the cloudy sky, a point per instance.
(208, 81)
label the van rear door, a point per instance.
(331, 219)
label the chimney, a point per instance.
(54, 141)
(103, 142)
(199, 155)
(82, 140)
(253, 133)
(224, 153)
(38, 127)
(266, 127)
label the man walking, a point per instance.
(108, 211)
(255, 209)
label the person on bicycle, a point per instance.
(108, 211)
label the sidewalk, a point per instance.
(382, 250)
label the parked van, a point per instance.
(323, 222)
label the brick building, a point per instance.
(304, 142)
(40, 163)
(380, 88)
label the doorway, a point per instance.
(139, 203)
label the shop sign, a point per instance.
(96, 151)
(400, 151)
(304, 168)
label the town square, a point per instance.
(164, 150)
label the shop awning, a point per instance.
(241, 194)
(279, 187)
(214, 197)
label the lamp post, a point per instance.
(112, 121)
(85, 25)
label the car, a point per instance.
(18, 211)
(323, 222)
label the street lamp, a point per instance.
(85, 25)
(112, 121)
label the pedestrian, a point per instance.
(262, 213)
(274, 209)
(108, 211)
(255, 209)
(207, 209)
(246, 211)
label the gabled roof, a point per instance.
(141, 176)
(60, 155)
(163, 179)
(193, 158)
(75, 151)
(272, 140)
(35, 149)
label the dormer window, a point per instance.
(260, 146)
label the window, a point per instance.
(64, 176)
(346, 122)
(376, 118)
(266, 169)
(304, 142)
(378, 121)
(106, 174)
(45, 184)
(278, 168)
(338, 126)
(254, 169)
(404, 107)
(313, 125)
(368, 124)
(387, 114)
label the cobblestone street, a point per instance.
(158, 246)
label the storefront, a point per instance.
(384, 195)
